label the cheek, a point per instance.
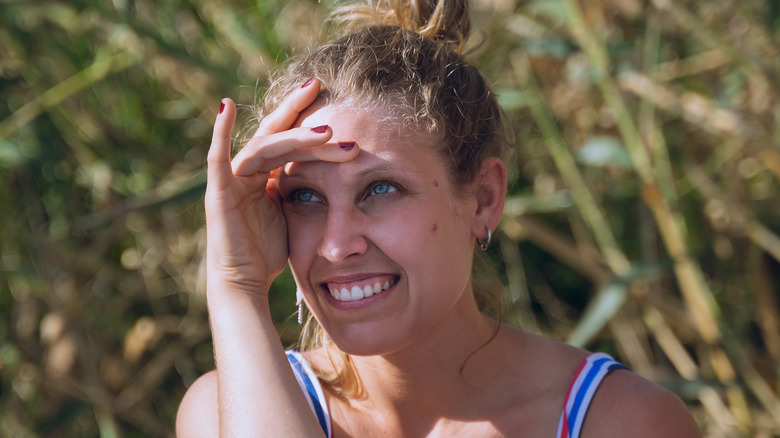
(300, 243)
(431, 227)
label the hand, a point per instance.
(246, 232)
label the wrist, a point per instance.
(236, 301)
(218, 287)
(231, 279)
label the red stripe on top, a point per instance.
(565, 428)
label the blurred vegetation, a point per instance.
(643, 219)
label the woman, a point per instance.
(375, 173)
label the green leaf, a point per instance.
(604, 151)
(599, 312)
(511, 99)
(10, 155)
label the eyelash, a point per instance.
(371, 187)
(392, 187)
(294, 195)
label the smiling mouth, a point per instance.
(359, 290)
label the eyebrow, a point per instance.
(381, 166)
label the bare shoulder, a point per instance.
(629, 405)
(198, 414)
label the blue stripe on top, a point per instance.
(310, 386)
(583, 388)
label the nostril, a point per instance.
(342, 236)
(343, 248)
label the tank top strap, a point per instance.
(311, 388)
(587, 380)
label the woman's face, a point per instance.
(382, 245)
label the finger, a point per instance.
(287, 113)
(219, 168)
(252, 158)
(332, 152)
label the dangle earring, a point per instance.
(299, 303)
(484, 243)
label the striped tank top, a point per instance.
(586, 381)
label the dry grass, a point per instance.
(642, 221)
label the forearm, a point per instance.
(246, 248)
(258, 394)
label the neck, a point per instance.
(440, 369)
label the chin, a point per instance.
(363, 343)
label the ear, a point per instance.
(490, 192)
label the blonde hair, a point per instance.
(405, 59)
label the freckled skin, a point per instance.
(347, 231)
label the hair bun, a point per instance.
(445, 21)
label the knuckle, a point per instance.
(214, 158)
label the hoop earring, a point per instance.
(484, 243)
(299, 303)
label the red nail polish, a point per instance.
(320, 129)
(221, 107)
(347, 145)
(308, 82)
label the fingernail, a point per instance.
(320, 129)
(221, 106)
(347, 145)
(308, 82)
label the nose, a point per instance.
(343, 237)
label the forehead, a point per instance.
(356, 120)
(383, 143)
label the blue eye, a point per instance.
(383, 188)
(305, 196)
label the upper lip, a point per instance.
(351, 278)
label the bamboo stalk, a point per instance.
(601, 310)
(718, 412)
(692, 284)
(567, 167)
(670, 344)
(517, 287)
(100, 68)
(631, 339)
(766, 309)
(764, 238)
(525, 227)
(742, 222)
(736, 397)
(747, 62)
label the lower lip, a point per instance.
(361, 303)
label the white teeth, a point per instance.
(357, 293)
